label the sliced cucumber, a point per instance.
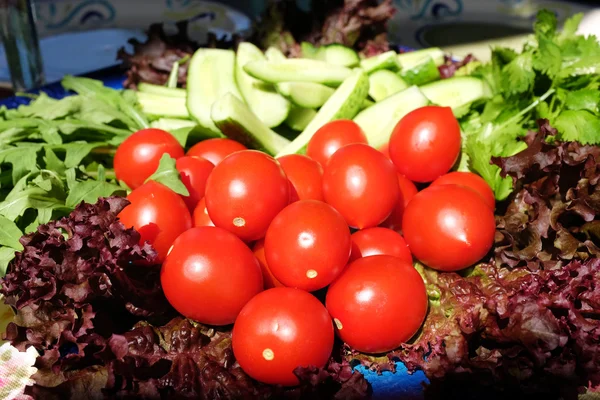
(366, 104)
(387, 60)
(424, 72)
(379, 120)
(309, 50)
(299, 118)
(456, 92)
(274, 54)
(411, 59)
(343, 104)
(158, 105)
(298, 70)
(210, 77)
(170, 124)
(235, 119)
(262, 98)
(306, 94)
(161, 90)
(384, 83)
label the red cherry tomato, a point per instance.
(269, 279)
(245, 192)
(333, 136)
(279, 330)
(378, 303)
(470, 180)
(448, 227)
(139, 155)
(200, 215)
(215, 150)
(194, 172)
(158, 214)
(425, 144)
(376, 241)
(305, 175)
(385, 150)
(361, 184)
(407, 192)
(209, 275)
(307, 245)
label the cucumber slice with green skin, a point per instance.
(424, 72)
(210, 77)
(387, 60)
(306, 94)
(161, 90)
(235, 119)
(384, 83)
(274, 54)
(343, 104)
(299, 118)
(157, 105)
(309, 50)
(456, 92)
(366, 104)
(298, 70)
(262, 98)
(411, 59)
(336, 54)
(379, 120)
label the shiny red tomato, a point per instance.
(425, 144)
(215, 150)
(194, 172)
(376, 241)
(139, 155)
(279, 330)
(407, 192)
(245, 192)
(362, 184)
(158, 214)
(307, 245)
(470, 180)
(305, 175)
(448, 227)
(269, 279)
(333, 136)
(378, 303)
(209, 275)
(200, 215)
(385, 150)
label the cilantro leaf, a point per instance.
(548, 57)
(518, 75)
(584, 99)
(581, 126)
(168, 175)
(480, 155)
(570, 27)
(545, 23)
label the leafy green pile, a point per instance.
(555, 77)
(55, 154)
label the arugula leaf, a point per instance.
(168, 175)
(9, 234)
(6, 256)
(47, 108)
(90, 190)
(581, 126)
(23, 160)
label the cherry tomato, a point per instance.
(215, 150)
(385, 150)
(425, 144)
(209, 275)
(245, 192)
(269, 279)
(194, 172)
(470, 180)
(139, 155)
(305, 175)
(378, 303)
(200, 215)
(279, 330)
(333, 136)
(448, 227)
(407, 192)
(361, 184)
(375, 241)
(307, 245)
(158, 214)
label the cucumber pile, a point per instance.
(275, 104)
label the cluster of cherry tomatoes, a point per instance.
(257, 235)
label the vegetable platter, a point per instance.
(329, 225)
